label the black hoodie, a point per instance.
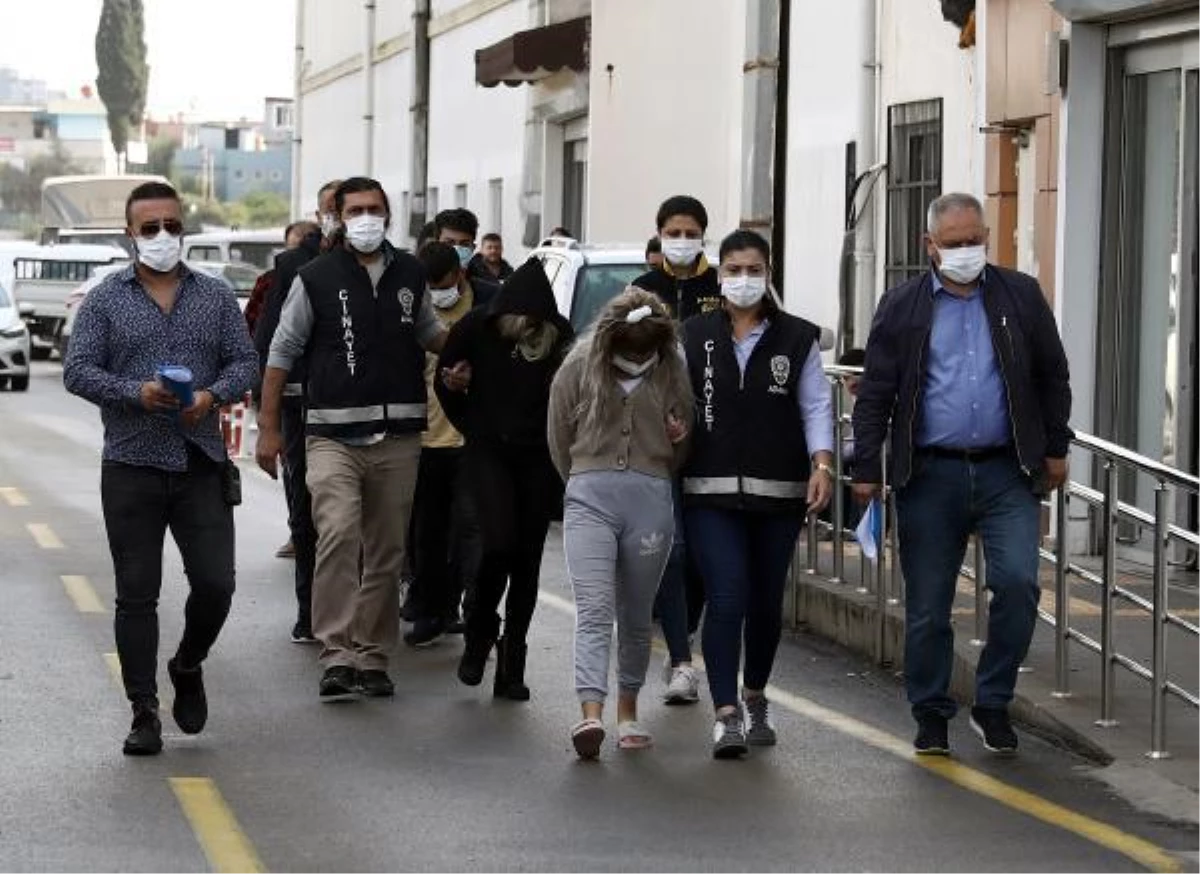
(509, 396)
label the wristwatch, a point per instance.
(825, 468)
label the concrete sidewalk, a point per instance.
(843, 612)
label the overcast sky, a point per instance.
(216, 58)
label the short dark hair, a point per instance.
(438, 259)
(332, 184)
(428, 232)
(682, 204)
(653, 246)
(149, 191)
(560, 231)
(854, 357)
(309, 227)
(357, 185)
(457, 219)
(492, 238)
(744, 239)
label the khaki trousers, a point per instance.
(361, 500)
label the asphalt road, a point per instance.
(442, 777)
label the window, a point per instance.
(596, 285)
(232, 138)
(574, 209)
(204, 253)
(914, 180)
(432, 197)
(496, 206)
(460, 195)
(281, 115)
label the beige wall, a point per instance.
(1016, 58)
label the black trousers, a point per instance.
(516, 491)
(140, 504)
(300, 518)
(445, 533)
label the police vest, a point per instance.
(366, 371)
(748, 445)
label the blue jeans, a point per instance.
(671, 604)
(744, 559)
(937, 510)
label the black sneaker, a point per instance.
(933, 739)
(145, 735)
(376, 684)
(455, 624)
(302, 632)
(729, 737)
(759, 732)
(340, 683)
(191, 705)
(425, 632)
(474, 660)
(994, 727)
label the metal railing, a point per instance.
(884, 582)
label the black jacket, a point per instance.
(477, 267)
(1029, 354)
(287, 265)
(685, 298)
(509, 397)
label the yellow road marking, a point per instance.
(14, 497)
(1138, 849)
(44, 535)
(81, 592)
(114, 667)
(220, 836)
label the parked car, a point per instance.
(257, 248)
(15, 345)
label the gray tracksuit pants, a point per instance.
(617, 533)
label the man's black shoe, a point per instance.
(933, 739)
(474, 660)
(376, 684)
(302, 632)
(191, 705)
(145, 735)
(339, 683)
(993, 726)
(455, 624)
(425, 632)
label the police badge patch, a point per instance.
(781, 368)
(407, 299)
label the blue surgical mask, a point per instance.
(465, 254)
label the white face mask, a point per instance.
(964, 264)
(329, 224)
(161, 252)
(744, 291)
(465, 254)
(444, 298)
(635, 368)
(365, 232)
(681, 251)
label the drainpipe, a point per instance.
(297, 111)
(419, 109)
(760, 85)
(532, 163)
(369, 88)
(861, 299)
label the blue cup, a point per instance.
(178, 381)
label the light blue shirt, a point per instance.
(965, 403)
(813, 394)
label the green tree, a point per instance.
(264, 209)
(21, 190)
(123, 72)
(162, 156)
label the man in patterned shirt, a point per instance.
(163, 466)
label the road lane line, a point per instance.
(14, 497)
(220, 836)
(114, 667)
(81, 592)
(1145, 853)
(44, 535)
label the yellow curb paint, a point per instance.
(114, 667)
(1145, 853)
(44, 535)
(220, 836)
(13, 497)
(81, 592)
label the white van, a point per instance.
(252, 247)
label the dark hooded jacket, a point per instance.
(509, 397)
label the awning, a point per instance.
(530, 55)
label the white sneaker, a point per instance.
(684, 687)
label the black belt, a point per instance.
(985, 453)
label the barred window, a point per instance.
(914, 181)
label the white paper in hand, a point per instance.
(869, 532)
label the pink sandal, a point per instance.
(631, 736)
(588, 736)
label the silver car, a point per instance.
(15, 345)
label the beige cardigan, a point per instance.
(634, 434)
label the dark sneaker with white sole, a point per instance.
(933, 736)
(191, 704)
(376, 684)
(760, 731)
(729, 737)
(425, 632)
(145, 735)
(340, 683)
(995, 729)
(302, 632)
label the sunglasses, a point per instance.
(151, 229)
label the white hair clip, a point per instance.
(637, 315)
